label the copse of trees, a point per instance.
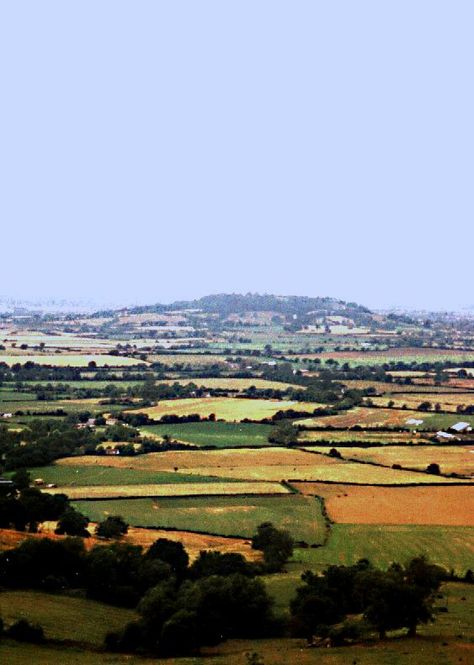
(198, 613)
(113, 526)
(401, 597)
(276, 545)
(283, 434)
(25, 509)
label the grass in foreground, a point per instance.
(63, 617)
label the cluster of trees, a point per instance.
(42, 442)
(401, 597)
(23, 507)
(181, 606)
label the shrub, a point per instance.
(24, 631)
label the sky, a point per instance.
(155, 150)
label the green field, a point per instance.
(32, 405)
(449, 546)
(387, 357)
(226, 516)
(219, 434)
(70, 476)
(71, 360)
(64, 617)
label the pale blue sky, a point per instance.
(159, 150)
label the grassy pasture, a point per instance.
(352, 504)
(68, 405)
(225, 408)
(449, 546)
(77, 475)
(63, 341)
(64, 617)
(70, 360)
(171, 490)
(219, 434)
(394, 355)
(452, 459)
(226, 516)
(84, 383)
(429, 651)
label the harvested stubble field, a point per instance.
(451, 459)
(363, 416)
(172, 490)
(270, 464)
(448, 402)
(71, 360)
(237, 384)
(145, 537)
(194, 359)
(449, 546)
(218, 434)
(385, 387)
(225, 516)
(344, 436)
(193, 543)
(225, 408)
(352, 504)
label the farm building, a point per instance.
(414, 421)
(461, 428)
(444, 436)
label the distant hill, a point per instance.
(226, 304)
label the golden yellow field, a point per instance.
(170, 490)
(225, 408)
(359, 415)
(447, 402)
(451, 459)
(187, 359)
(340, 436)
(349, 504)
(270, 464)
(225, 383)
(70, 360)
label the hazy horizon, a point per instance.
(165, 151)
